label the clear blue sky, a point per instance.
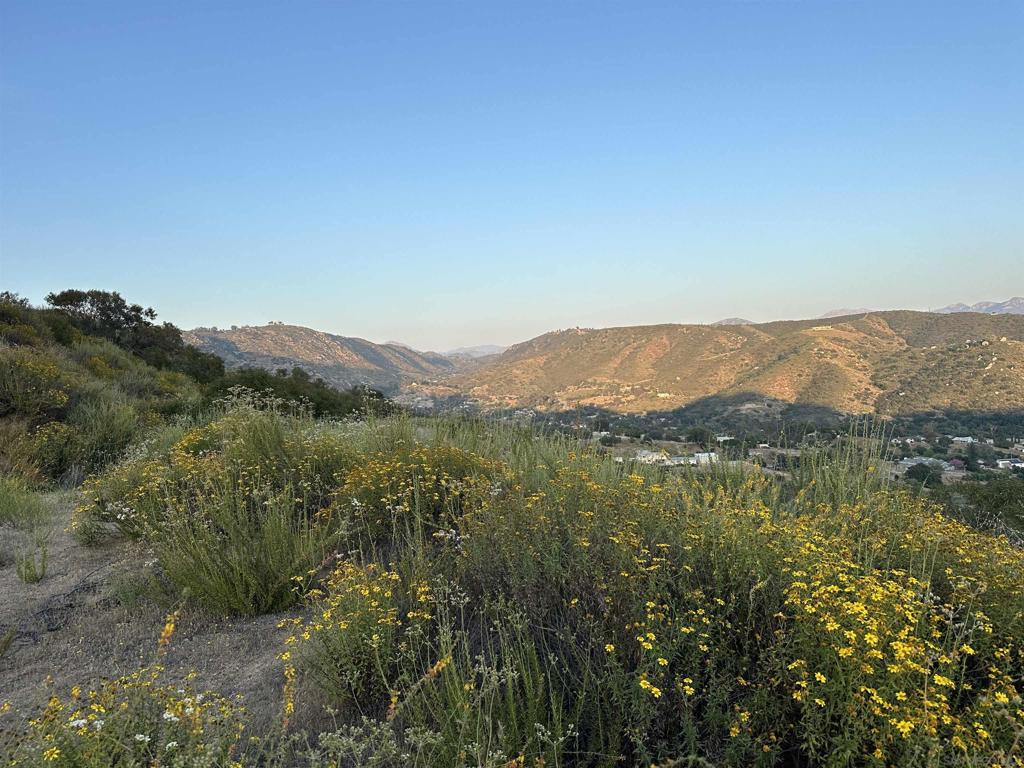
(446, 174)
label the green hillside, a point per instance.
(86, 376)
(70, 400)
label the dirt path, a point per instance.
(98, 613)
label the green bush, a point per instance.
(20, 506)
(242, 549)
(32, 383)
(236, 508)
(107, 422)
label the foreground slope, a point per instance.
(890, 362)
(340, 360)
(450, 594)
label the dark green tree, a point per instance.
(701, 435)
(925, 473)
(106, 314)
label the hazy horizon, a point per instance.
(511, 341)
(451, 175)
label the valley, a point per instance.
(893, 363)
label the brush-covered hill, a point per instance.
(890, 362)
(341, 361)
(84, 378)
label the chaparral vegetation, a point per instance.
(451, 592)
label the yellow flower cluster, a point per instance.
(135, 719)
(900, 659)
(33, 384)
(436, 484)
(351, 633)
(892, 624)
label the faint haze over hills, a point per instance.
(894, 362)
(278, 343)
(842, 312)
(1014, 306)
(481, 350)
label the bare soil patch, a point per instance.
(98, 613)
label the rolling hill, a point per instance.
(733, 321)
(339, 360)
(891, 362)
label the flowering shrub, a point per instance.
(522, 604)
(55, 447)
(348, 644)
(234, 508)
(386, 495)
(246, 448)
(32, 384)
(133, 720)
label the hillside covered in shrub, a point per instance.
(84, 377)
(72, 398)
(895, 363)
(462, 593)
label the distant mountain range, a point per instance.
(1014, 306)
(843, 312)
(733, 321)
(482, 350)
(339, 360)
(895, 362)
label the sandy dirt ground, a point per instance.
(98, 613)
